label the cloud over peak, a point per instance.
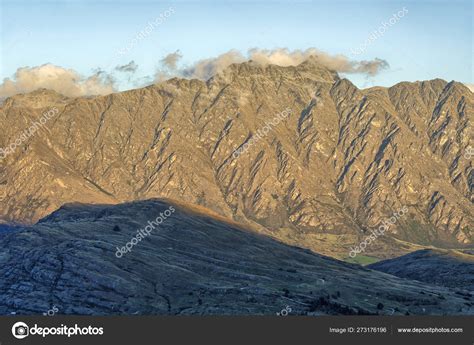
(206, 68)
(170, 61)
(70, 83)
(65, 81)
(131, 67)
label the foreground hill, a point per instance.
(194, 262)
(337, 163)
(441, 267)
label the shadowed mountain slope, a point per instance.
(192, 263)
(441, 267)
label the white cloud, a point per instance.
(70, 83)
(204, 69)
(65, 81)
(171, 60)
(131, 67)
(168, 67)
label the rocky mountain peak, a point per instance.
(341, 160)
(310, 69)
(39, 98)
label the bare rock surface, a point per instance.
(194, 262)
(339, 164)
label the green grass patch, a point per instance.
(362, 260)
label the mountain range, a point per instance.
(338, 164)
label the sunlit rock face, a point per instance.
(295, 152)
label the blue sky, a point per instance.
(434, 39)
